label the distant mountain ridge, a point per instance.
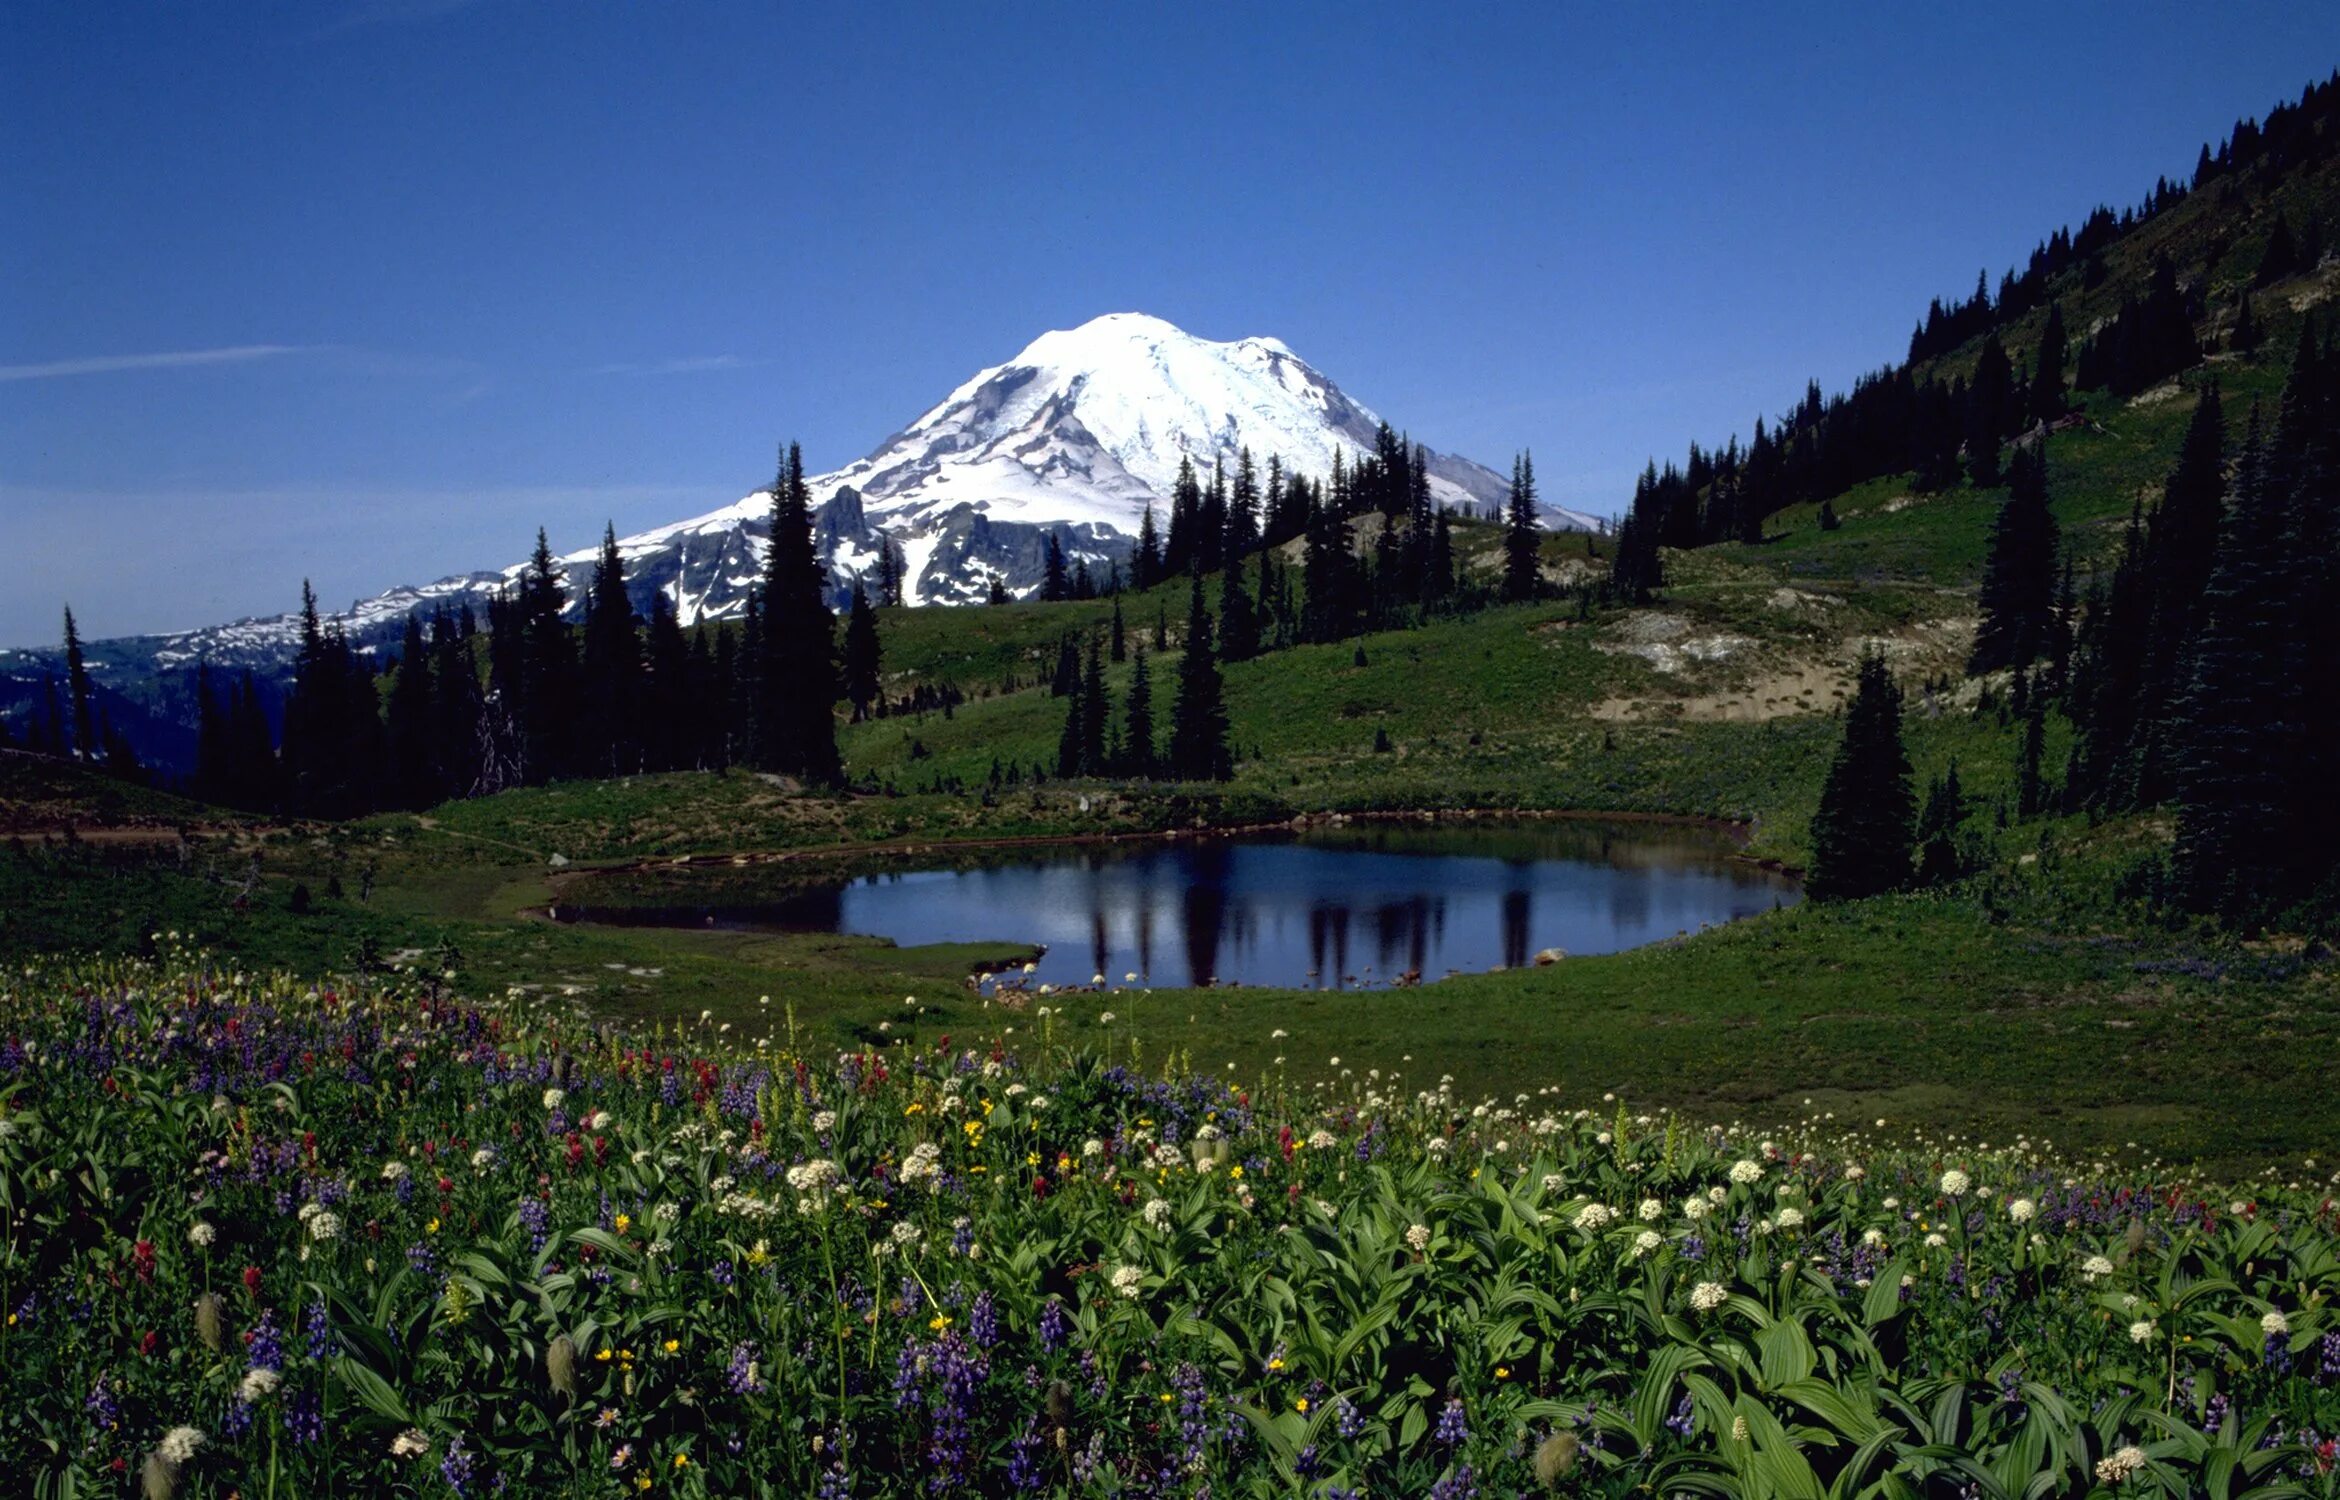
(1073, 438)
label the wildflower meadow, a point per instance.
(271, 1237)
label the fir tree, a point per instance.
(796, 721)
(863, 655)
(1862, 835)
(611, 676)
(1137, 731)
(672, 699)
(1145, 563)
(1120, 633)
(1096, 712)
(548, 670)
(2019, 575)
(1238, 618)
(1054, 585)
(85, 735)
(2235, 740)
(1198, 721)
(2047, 380)
(1522, 536)
(410, 724)
(1944, 853)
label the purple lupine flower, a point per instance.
(722, 1274)
(1452, 1427)
(304, 1417)
(742, 1376)
(1193, 1432)
(1462, 1484)
(102, 1406)
(1347, 1420)
(1024, 1457)
(458, 1466)
(1055, 1326)
(1681, 1422)
(536, 1218)
(420, 1257)
(267, 1343)
(318, 1330)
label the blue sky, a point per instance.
(367, 291)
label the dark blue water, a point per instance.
(1337, 908)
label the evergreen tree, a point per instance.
(410, 724)
(2031, 797)
(1096, 712)
(1438, 574)
(1145, 563)
(1944, 853)
(463, 733)
(548, 671)
(1120, 633)
(2047, 380)
(85, 735)
(796, 719)
(1862, 835)
(2235, 741)
(2019, 575)
(1522, 535)
(863, 655)
(1054, 585)
(1198, 721)
(1988, 401)
(1182, 551)
(611, 678)
(1238, 618)
(997, 593)
(1068, 739)
(1242, 511)
(1137, 732)
(671, 696)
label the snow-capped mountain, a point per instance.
(1074, 437)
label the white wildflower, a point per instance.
(1126, 1280)
(179, 1444)
(1955, 1182)
(1744, 1172)
(409, 1444)
(1418, 1237)
(553, 1098)
(1707, 1296)
(257, 1384)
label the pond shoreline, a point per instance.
(1738, 830)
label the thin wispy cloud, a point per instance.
(696, 364)
(172, 359)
